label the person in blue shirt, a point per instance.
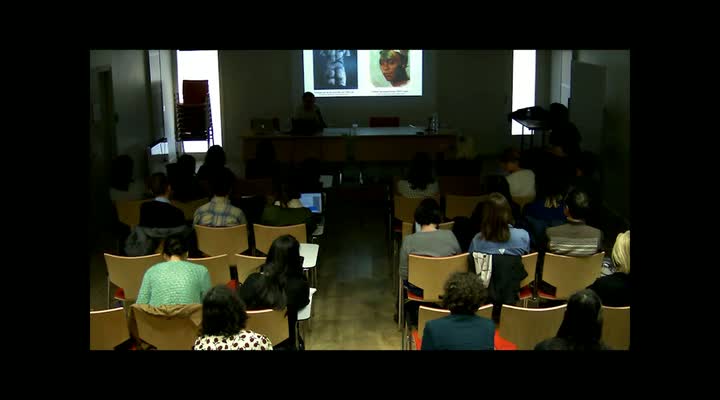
(462, 329)
(497, 235)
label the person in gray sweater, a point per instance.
(429, 240)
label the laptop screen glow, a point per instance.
(313, 201)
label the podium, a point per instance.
(534, 119)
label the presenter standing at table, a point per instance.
(308, 114)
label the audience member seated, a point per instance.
(279, 285)
(547, 210)
(219, 212)
(214, 163)
(498, 184)
(420, 182)
(497, 235)
(429, 240)
(175, 281)
(462, 329)
(223, 324)
(310, 116)
(183, 180)
(575, 238)
(521, 181)
(160, 213)
(581, 328)
(614, 290)
(265, 164)
(585, 180)
(288, 210)
(122, 185)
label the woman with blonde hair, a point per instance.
(614, 290)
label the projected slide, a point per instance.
(362, 73)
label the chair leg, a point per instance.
(108, 292)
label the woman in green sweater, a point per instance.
(174, 281)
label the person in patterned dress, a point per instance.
(223, 324)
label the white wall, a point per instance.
(615, 145)
(470, 90)
(132, 102)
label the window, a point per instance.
(523, 91)
(199, 65)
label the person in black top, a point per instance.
(581, 328)
(279, 285)
(462, 329)
(183, 181)
(159, 213)
(614, 290)
(214, 165)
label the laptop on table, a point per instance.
(314, 201)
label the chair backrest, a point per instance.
(165, 332)
(426, 314)
(128, 272)
(461, 206)
(407, 227)
(405, 207)
(526, 327)
(570, 274)
(227, 240)
(431, 273)
(264, 234)
(271, 323)
(379, 122)
(460, 185)
(218, 267)
(522, 201)
(530, 263)
(129, 212)
(246, 265)
(189, 208)
(616, 327)
(108, 328)
(195, 91)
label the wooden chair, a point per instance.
(526, 327)
(461, 206)
(246, 265)
(271, 323)
(569, 274)
(218, 267)
(108, 329)
(189, 208)
(164, 332)
(430, 274)
(381, 122)
(407, 228)
(127, 273)
(530, 263)
(522, 201)
(265, 235)
(129, 212)
(616, 327)
(217, 241)
(426, 314)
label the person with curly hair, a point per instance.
(462, 329)
(223, 324)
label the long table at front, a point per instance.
(368, 144)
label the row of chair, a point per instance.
(109, 328)
(455, 205)
(526, 327)
(566, 274)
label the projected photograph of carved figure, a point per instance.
(335, 69)
(390, 68)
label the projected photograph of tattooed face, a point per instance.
(335, 69)
(390, 68)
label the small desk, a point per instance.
(309, 252)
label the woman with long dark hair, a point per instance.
(420, 182)
(581, 328)
(223, 324)
(280, 284)
(497, 235)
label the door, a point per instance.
(103, 149)
(587, 103)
